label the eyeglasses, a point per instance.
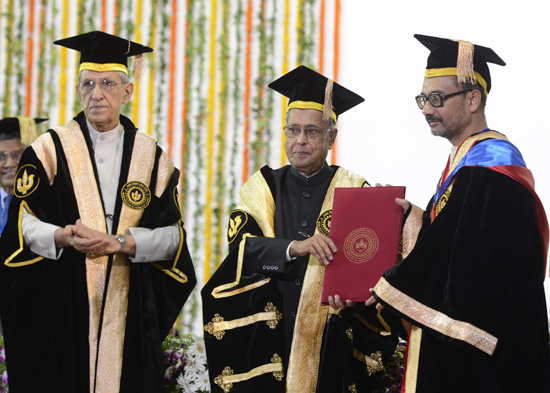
(105, 85)
(15, 156)
(311, 132)
(436, 100)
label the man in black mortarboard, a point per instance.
(95, 258)
(265, 329)
(472, 287)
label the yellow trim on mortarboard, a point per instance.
(309, 105)
(103, 67)
(450, 71)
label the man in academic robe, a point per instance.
(473, 285)
(16, 133)
(96, 265)
(265, 329)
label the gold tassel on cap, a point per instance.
(140, 63)
(327, 106)
(27, 128)
(465, 63)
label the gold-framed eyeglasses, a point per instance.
(105, 85)
(436, 99)
(15, 156)
(311, 132)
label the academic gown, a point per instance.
(314, 346)
(76, 322)
(473, 284)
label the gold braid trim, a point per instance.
(311, 318)
(413, 359)
(228, 378)
(44, 148)
(310, 105)
(452, 71)
(256, 200)
(103, 67)
(438, 321)
(218, 326)
(7, 262)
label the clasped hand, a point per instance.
(89, 241)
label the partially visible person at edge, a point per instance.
(473, 285)
(16, 133)
(265, 329)
(96, 264)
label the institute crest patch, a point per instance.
(136, 195)
(323, 222)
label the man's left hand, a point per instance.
(337, 304)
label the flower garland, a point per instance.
(136, 100)
(219, 218)
(286, 45)
(159, 113)
(9, 55)
(237, 110)
(62, 102)
(30, 49)
(209, 263)
(246, 105)
(152, 65)
(335, 67)
(186, 128)
(19, 54)
(172, 76)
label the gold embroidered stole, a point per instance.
(108, 353)
(311, 318)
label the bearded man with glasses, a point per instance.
(265, 329)
(472, 287)
(95, 254)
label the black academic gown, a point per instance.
(473, 288)
(298, 207)
(44, 302)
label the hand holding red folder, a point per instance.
(366, 229)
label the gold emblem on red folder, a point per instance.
(361, 245)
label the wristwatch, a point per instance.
(122, 240)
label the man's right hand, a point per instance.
(320, 246)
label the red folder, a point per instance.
(366, 228)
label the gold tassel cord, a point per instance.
(140, 63)
(327, 106)
(465, 63)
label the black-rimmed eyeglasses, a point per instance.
(436, 100)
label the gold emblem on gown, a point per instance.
(443, 200)
(26, 181)
(237, 221)
(323, 222)
(136, 195)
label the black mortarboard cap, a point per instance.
(103, 52)
(307, 89)
(461, 58)
(23, 128)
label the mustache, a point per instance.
(433, 118)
